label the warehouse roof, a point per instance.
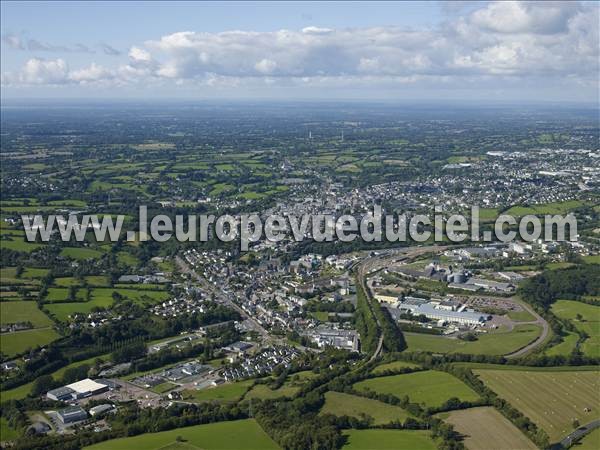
(86, 385)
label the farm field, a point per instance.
(225, 392)
(6, 432)
(394, 365)
(289, 388)
(340, 404)
(589, 442)
(591, 259)
(235, 435)
(388, 440)
(487, 429)
(93, 280)
(521, 316)
(19, 244)
(589, 323)
(29, 273)
(80, 253)
(566, 347)
(12, 344)
(551, 399)
(23, 311)
(263, 392)
(163, 387)
(100, 297)
(496, 343)
(545, 208)
(431, 388)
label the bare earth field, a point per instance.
(552, 400)
(486, 429)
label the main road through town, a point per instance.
(220, 295)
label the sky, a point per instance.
(476, 51)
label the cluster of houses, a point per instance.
(261, 363)
(176, 373)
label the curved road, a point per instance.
(185, 268)
(579, 433)
(539, 320)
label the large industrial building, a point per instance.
(71, 414)
(77, 390)
(445, 311)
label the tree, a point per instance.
(42, 385)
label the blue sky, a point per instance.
(406, 50)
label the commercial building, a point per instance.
(441, 311)
(80, 389)
(382, 298)
(329, 337)
(60, 394)
(71, 414)
(99, 410)
(87, 388)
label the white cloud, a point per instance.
(265, 66)
(41, 71)
(316, 30)
(140, 55)
(525, 17)
(90, 74)
(17, 42)
(13, 41)
(486, 44)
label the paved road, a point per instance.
(539, 320)
(579, 433)
(185, 268)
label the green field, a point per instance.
(100, 297)
(163, 387)
(545, 208)
(394, 365)
(127, 259)
(430, 388)
(388, 440)
(485, 428)
(29, 273)
(225, 392)
(62, 295)
(93, 280)
(552, 400)
(235, 435)
(23, 311)
(566, 347)
(340, 404)
(263, 392)
(80, 253)
(589, 323)
(591, 259)
(521, 316)
(488, 214)
(589, 442)
(12, 344)
(19, 245)
(6, 432)
(494, 343)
